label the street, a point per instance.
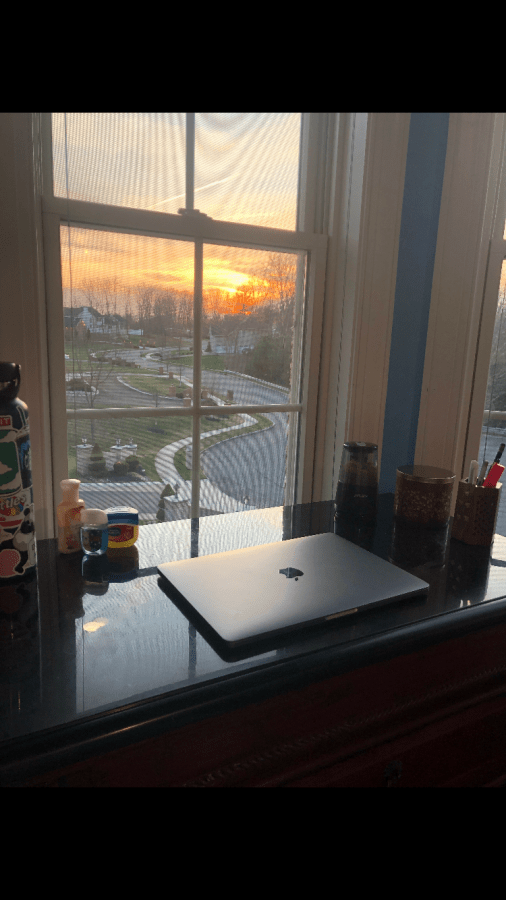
(250, 468)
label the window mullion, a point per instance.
(197, 369)
(190, 160)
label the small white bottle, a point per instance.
(94, 531)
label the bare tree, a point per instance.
(91, 371)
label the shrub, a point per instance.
(168, 491)
(132, 462)
(120, 468)
(97, 464)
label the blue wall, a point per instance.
(425, 162)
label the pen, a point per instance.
(499, 453)
(482, 472)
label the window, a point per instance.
(464, 294)
(350, 182)
(486, 429)
(185, 308)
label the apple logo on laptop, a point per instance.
(291, 573)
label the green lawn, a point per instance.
(151, 434)
(159, 383)
(150, 383)
(214, 363)
(149, 441)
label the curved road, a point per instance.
(252, 466)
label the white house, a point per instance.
(93, 320)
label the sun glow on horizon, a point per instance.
(246, 170)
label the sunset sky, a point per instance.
(246, 170)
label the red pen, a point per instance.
(494, 475)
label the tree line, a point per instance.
(254, 323)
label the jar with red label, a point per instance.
(123, 526)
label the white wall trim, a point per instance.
(369, 286)
(23, 332)
(364, 227)
(465, 228)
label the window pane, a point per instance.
(124, 159)
(253, 309)
(243, 461)
(128, 311)
(128, 316)
(494, 419)
(247, 167)
(141, 462)
(246, 164)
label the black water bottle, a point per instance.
(17, 528)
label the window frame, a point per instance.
(355, 175)
(199, 230)
(467, 270)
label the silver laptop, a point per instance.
(255, 592)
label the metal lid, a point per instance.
(427, 474)
(126, 514)
(361, 446)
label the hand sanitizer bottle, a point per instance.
(69, 516)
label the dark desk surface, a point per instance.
(87, 665)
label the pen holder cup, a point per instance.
(475, 514)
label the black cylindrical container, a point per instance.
(17, 528)
(357, 488)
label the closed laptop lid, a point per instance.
(258, 591)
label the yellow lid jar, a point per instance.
(123, 526)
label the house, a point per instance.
(93, 320)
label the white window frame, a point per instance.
(200, 230)
(352, 196)
(467, 269)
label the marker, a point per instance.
(494, 475)
(482, 472)
(473, 472)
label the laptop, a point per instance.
(256, 592)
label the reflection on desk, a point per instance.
(84, 638)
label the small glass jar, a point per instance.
(94, 533)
